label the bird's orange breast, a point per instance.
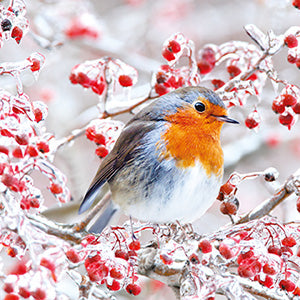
(190, 138)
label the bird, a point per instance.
(167, 163)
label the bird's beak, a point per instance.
(226, 119)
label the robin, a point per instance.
(167, 164)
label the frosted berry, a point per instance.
(43, 147)
(160, 89)
(291, 59)
(288, 100)
(291, 41)
(244, 255)
(209, 55)
(56, 188)
(287, 285)
(116, 274)
(289, 241)
(73, 256)
(296, 108)
(17, 34)
(174, 46)
(251, 122)
(8, 287)
(225, 251)
(233, 71)
(296, 3)
(278, 107)
(22, 139)
(168, 54)
(286, 120)
(31, 151)
(99, 139)
(267, 269)
(135, 245)
(205, 246)
(121, 254)
(217, 83)
(98, 87)
(114, 286)
(125, 80)
(133, 289)
(38, 294)
(228, 208)
(4, 150)
(24, 292)
(38, 115)
(101, 151)
(274, 250)
(17, 153)
(11, 297)
(204, 66)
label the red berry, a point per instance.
(251, 123)
(252, 77)
(285, 250)
(289, 241)
(233, 71)
(133, 289)
(38, 294)
(267, 269)
(8, 287)
(17, 34)
(296, 3)
(22, 139)
(32, 151)
(43, 147)
(99, 139)
(274, 250)
(245, 271)
(98, 87)
(286, 120)
(125, 80)
(204, 66)
(174, 46)
(38, 115)
(34, 203)
(227, 188)
(296, 108)
(209, 55)
(11, 297)
(291, 41)
(24, 292)
(116, 274)
(160, 89)
(73, 256)
(217, 83)
(17, 153)
(242, 256)
(135, 245)
(114, 286)
(291, 59)
(56, 188)
(288, 100)
(101, 151)
(205, 246)
(90, 133)
(225, 251)
(121, 254)
(4, 150)
(278, 107)
(287, 285)
(36, 65)
(83, 79)
(228, 208)
(168, 55)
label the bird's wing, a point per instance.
(127, 142)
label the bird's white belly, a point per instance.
(190, 198)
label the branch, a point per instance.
(290, 186)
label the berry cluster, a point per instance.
(287, 105)
(13, 24)
(106, 265)
(99, 75)
(104, 133)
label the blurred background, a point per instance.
(134, 31)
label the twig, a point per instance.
(268, 205)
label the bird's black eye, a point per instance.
(199, 106)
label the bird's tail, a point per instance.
(103, 219)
